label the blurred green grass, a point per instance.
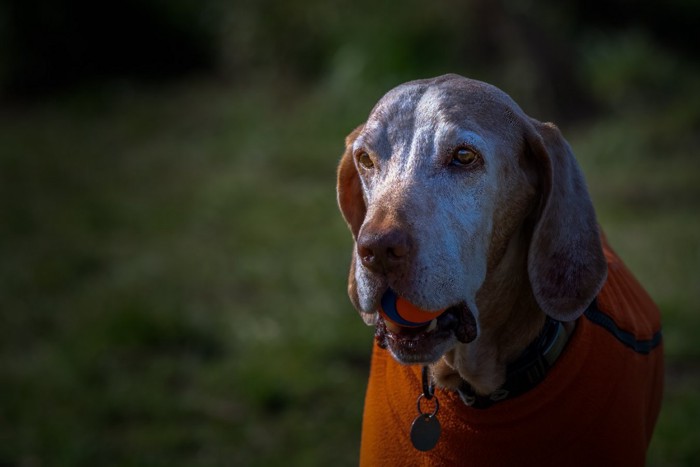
(173, 273)
(172, 283)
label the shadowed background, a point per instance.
(172, 261)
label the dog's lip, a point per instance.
(457, 320)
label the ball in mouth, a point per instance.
(401, 312)
(414, 335)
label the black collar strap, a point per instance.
(527, 371)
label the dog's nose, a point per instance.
(383, 252)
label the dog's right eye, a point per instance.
(464, 157)
(365, 160)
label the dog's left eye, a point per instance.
(463, 157)
(365, 160)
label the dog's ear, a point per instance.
(352, 205)
(349, 187)
(566, 265)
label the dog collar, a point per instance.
(527, 371)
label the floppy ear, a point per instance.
(349, 187)
(565, 263)
(352, 205)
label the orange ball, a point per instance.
(404, 313)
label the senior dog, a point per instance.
(549, 351)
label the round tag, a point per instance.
(425, 432)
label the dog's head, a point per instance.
(436, 183)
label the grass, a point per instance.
(173, 277)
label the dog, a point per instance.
(549, 351)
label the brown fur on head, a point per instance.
(506, 239)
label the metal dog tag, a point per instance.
(425, 429)
(425, 432)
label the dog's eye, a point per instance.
(365, 160)
(463, 157)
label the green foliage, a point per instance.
(311, 41)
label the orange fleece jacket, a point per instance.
(597, 405)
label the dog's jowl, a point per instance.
(506, 326)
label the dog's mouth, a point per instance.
(427, 343)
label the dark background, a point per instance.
(173, 265)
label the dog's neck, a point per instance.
(509, 320)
